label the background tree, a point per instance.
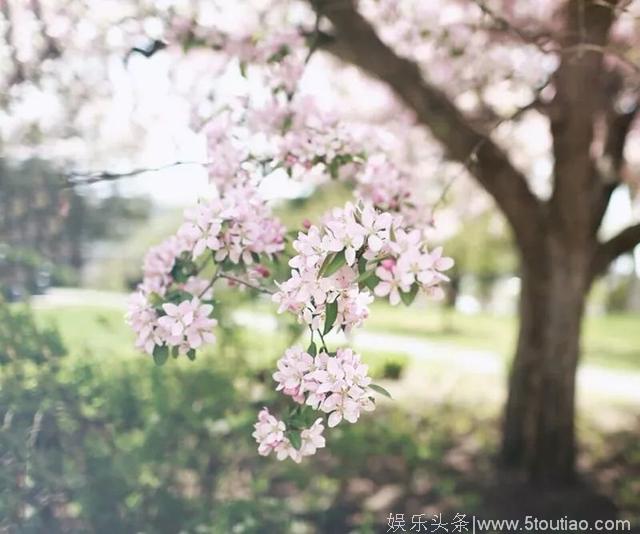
(45, 228)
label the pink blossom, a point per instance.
(158, 264)
(339, 386)
(269, 432)
(188, 325)
(142, 318)
(270, 435)
(312, 438)
(390, 284)
(237, 226)
(292, 369)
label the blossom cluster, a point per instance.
(334, 384)
(276, 126)
(236, 231)
(375, 247)
(272, 436)
(390, 188)
(238, 226)
(357, 253)
(184, 327)
(357, 250)
(303, 139)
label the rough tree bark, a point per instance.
(557, 239)
(539, 418)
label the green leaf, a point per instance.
(308, 414)
(325, 264)
(312, 350)
(175, 351)
(362, 265)
(332, 263)
(409, 297)
(297, 421)
(160, 354)
(334, 168)
(178, 295)
(381, 390)
(371, 282)
(191, 354)
(295, 438)
(331, 312)
(183, 269)
(365, 275)
(288, 122)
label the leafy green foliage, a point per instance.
(94, 445)
(109, 443)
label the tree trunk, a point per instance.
(539, 421)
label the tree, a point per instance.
(572, 59)
(557, 238)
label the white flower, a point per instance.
(390, 284)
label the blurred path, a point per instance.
(488, 369)
(68, 296)
(483, 364)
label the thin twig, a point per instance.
(210, 284)
(324, 345)
(579, 48)
(246, 283)
(315, 36)
(473, 155)
(88, 178)
(504, 24)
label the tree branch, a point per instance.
(572, 119)
(609, 167)
(620, 244)
(356, 42)
(539, 41)
(88, 178)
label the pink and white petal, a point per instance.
(334, 419)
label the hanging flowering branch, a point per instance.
(373, 247)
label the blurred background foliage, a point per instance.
(47, 229)
(95, 438)
(101, 441)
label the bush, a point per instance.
(384, 366)
(110, 443)
(123, 446)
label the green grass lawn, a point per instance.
(92, 329)
(158, 428)
(102, 333)
(612, 340)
